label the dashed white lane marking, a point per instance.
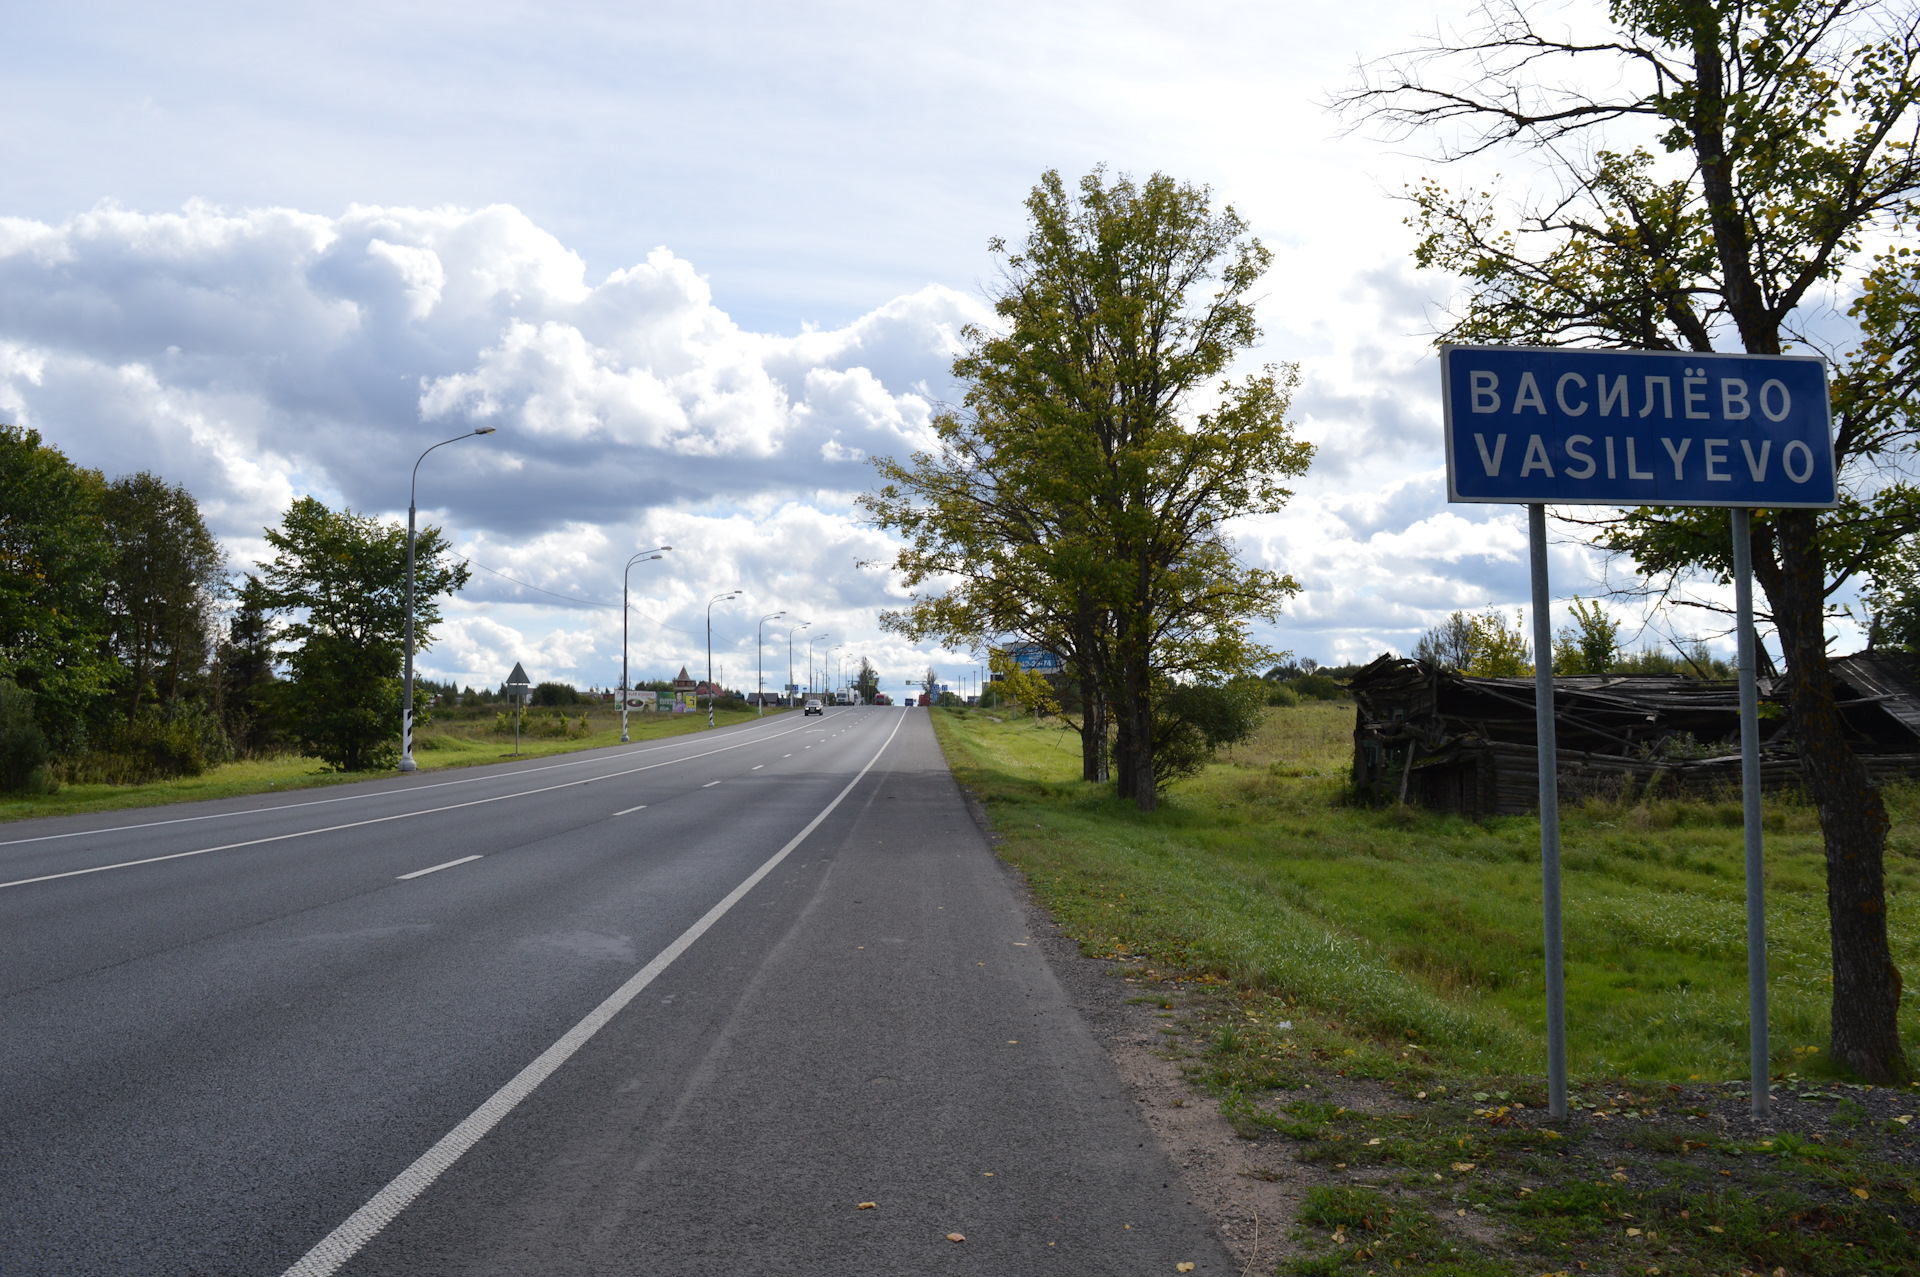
(710, 784)
(756, 767)
(373, 820)
(344, 1242)
(629, 811)
(421, 873)
(352, 798)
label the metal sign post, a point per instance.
(1540, 426)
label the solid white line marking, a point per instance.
(710, 784)
(629, 811)
(374, 820)
(421, 873)
(382, 793)
(344, 1242)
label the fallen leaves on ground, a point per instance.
(956, 1237)
(1184, 1266)
(866, 1205)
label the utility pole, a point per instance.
(644, 556)
(406, 704)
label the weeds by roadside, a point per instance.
(1358, 991)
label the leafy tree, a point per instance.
(867, 681)
(245, 678)
(1448, 644)
(1499, 652)
(167, 571)
(1590, 644)
(54, 557)
(341, 579)
(552, 694)
(1779, 138)
(23, 749)
(1080, 496)
(1193, 720)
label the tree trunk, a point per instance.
(1139, 712)
(1093, 731)
(1123, 752)
(1865, 1036)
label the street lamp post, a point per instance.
(760, 662)
(731, 594)
(645, 556)
(810, 640)
(406, 706)
(792, 687)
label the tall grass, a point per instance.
(1414, 925)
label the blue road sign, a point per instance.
(1036, 659)
(1607, 427)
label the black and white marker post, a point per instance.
(1539, 426)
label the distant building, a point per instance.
(684, 683)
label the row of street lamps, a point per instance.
(644, 556)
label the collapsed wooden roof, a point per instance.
(1646, 715)
(1457, 742)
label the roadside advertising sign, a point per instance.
(1540, 426)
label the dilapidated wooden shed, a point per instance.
(1453, 742)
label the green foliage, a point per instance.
(341, 578)
(1079, 497)
(1478, 644)
(23, 750)
(166, 740)
(1499, 652)
(1317, 686)
(1590, 644)
(166, 572)
(54, 557)
(244, 675)
(1396, 921)
(1192, 721)
(549, 695)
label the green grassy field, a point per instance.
(1420, 934)
(453, 739)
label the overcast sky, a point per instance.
(697, 264)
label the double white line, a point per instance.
(344, 1242)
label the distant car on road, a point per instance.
(813, 706)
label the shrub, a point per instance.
(548, 695)
(23, 750)
(1191, 721)
(165, 741)
(1317, 687)
(1282, 695)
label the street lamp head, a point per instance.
(483, 430)
(666, 547)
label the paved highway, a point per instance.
(678, 1007)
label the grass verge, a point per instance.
(1359, 989)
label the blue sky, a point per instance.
(696, 263)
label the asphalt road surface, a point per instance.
(669, 1008)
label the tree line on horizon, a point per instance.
(116, 665)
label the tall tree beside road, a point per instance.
(54, 559)
(341, 578)
(1714, 166)
(167, 572)
(1085, 452)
